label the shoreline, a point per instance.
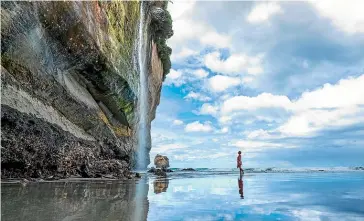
(175, 173)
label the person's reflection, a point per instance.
(160, 185)
(241, 187)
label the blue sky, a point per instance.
(281, 81)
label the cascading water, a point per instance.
(143, 96)
(141, 205)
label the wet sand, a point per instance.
(191, 196)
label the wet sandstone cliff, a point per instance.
(70, 85)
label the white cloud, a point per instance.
(183, 34)
(177, 122)
(329, 106)
(182, 76)
(179, 9)
(201, 32)
(224, 130)
(305, 123)
(174, 78)
(183, 53)
(260, 134)
(264, 100)
(200, 155)
(225, 119)
(220, 83)
(200, 73)
(346, 15)
(263, 11)
(215, 39)
(173, 74)
(197, 96)
(234, 64)
(198, 127)
(164, 148)
(247, 145)
(255, 70)
(208, 109)
(346, 93)
(247, 79)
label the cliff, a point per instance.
(70, 85)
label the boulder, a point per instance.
(161, 161)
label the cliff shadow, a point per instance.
(91, 200)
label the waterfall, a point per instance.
(143, 96)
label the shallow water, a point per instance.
(192, 196)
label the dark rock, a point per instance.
(188, 169)
(161, 22)
(108, 176)
(160, 172)
(152, 170)
(84, 171)
(137, 175)
(50, 178)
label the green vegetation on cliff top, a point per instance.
(162, 32)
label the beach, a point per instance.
(199, 195)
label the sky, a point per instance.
(283, 82)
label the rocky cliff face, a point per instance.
(70, 85)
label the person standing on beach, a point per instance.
(239, 163)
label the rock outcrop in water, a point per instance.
(161, 161)
(70, 85)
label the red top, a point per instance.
(238, 161)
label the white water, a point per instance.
(143, 96)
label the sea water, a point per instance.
(208, 195)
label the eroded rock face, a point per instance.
(161, 161)
(70, 84)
